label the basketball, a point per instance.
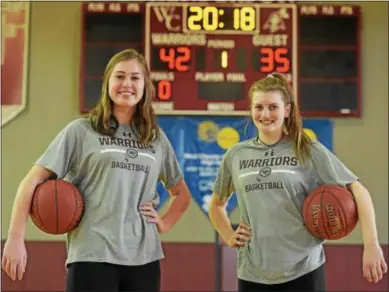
(57, 207)
(330, 212)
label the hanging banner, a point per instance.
(321, 130)
(15, 20)
(201, 142)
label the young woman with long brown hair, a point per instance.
(115, 158)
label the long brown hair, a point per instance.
(293, 125)
(144, 118)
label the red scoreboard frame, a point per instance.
(203, 57)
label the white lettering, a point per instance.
(223, 44)
(163, 106)
(274, 40)
(213, 77)
(133, 7)
(191, 169)
(222, 106)
(114, 7)
(178, 39)
(347, 10)
(328, 10)
(205, 185)
(236, 77)
(203, 156)
(308, 9)
(157, 76)
(96, 7)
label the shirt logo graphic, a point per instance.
(132, 153)
(264, 172)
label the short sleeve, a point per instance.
(224, 186)
(61, 155)
(170, 173)
(329, 168)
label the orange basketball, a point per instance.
(57, 207)
(330, 212)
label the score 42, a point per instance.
(270, 59)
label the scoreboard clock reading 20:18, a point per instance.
(204, 57)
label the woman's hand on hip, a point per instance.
(148, 210)
(241, 235)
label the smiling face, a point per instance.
(126, 84)
(268, 111)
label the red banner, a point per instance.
(14, 62)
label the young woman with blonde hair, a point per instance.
(272, 174)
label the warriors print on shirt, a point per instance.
(131, 150)
(259, 174)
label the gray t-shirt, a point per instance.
(114, 175)
(271, 187)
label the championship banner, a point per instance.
(14, 58)
(201, 142)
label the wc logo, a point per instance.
(168, 16)
(14, 62)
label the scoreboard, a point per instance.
(205, 61)
(203, 57)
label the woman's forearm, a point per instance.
(219, 219)
(178, 204)
(177, 207)
(366, 213)
(22, 202)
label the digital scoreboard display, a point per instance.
(203, 57)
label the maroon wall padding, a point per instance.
(189, 267)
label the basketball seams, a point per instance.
(307, 210)
(340, 206)
(42, 211)
(323, 209)
(322, 191)
(334, 200)
(328, 189)
(56, 204)
(37, 209)
(82, 203)
(37, 215)
(71, 223)
(56, 217)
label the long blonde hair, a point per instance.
(292, 124)
(144, 117)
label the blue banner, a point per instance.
(201, 142)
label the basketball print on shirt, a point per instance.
(14, 62)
